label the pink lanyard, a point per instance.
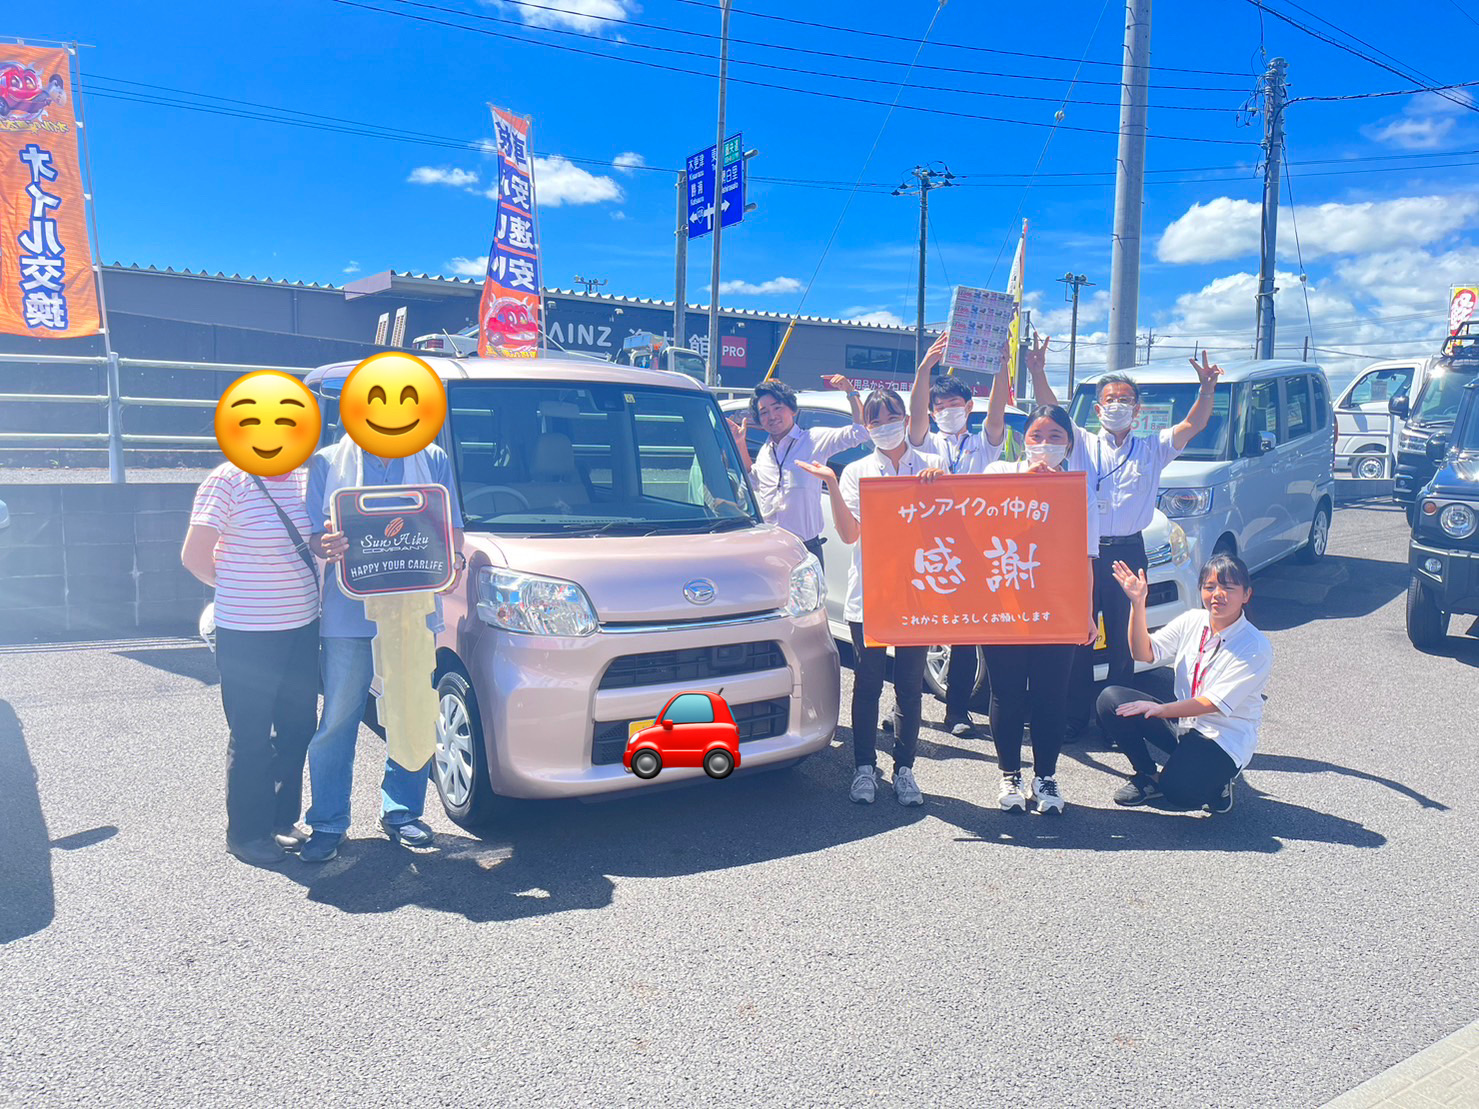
(1198, 674)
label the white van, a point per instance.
(1364, 435)
(1259, 481)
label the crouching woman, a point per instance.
(1222, 665)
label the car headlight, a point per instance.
(1180, 545)
(533, 605)
(1458, 521)
(1407, 441)
(1181, 503)
(808, 590)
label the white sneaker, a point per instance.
(864, 785)
(906, 789)
(1046, 796)
(1010, 795)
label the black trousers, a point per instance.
(960, 682)
(815, 547)
(1029, 684)
(1197, 769)
(269, 691)
(870, 665)
(1110, 600)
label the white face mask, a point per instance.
(887, 436)
(952, 420)
(1116, 416)
(1051, 453)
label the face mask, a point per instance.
(1051, 453)
(1117, 416)
(888, 436)
(951, 420)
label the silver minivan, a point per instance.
(1259, 481)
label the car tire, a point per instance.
(1318, 540)
(460, 765)
(1427, 624)
(647, 764)
(937, 678)
(718, 764)
(1369, 466)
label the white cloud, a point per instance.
(1225, 228)
(582, 15)
(1093, 308)
(772, 287)
(559, 181)
(880, 317)
(353, 267)
(442, 175)
(629, 161)
(618, 215)
(1409, 280)
(1424, 124)
(468, 267)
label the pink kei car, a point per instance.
(616, 558)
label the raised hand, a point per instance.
(1207, 372)
(738, 429)
(936, 352)
(1135, 585)
(817, 470)
(1037, 352)
(840, 382)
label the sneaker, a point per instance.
(1224, 803)
(321, 847)
(411, 833)
(292, 837)
(1046, 796)
(1137, 791)
(1010, 796)
(259, 852)
(906, 789)
(960, 727)
(864, 785)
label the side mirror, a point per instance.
(1438, 448)
(1397, 406)
(667, 725)
(1259, 443)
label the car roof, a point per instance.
(1176, 371)
(832, 399)
(555, 367)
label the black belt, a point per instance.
(1120, 540)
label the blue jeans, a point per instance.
(348, 669)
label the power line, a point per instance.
(1463, 13)
(1374, 95)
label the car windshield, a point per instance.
(567, 458)
(1444, 388)
(1466, 436)
(1163, 406)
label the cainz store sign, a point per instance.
(596, 328)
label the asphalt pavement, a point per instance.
(758, 941)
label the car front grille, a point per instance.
(756, 720)
(1161, 593)
(1158, 556)
(690, 665)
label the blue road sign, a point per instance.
(701, 187)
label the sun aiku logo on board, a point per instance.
(393, 528)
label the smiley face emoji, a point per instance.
(267, 423)
(393, 404)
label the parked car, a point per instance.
(1430, 412)
(1259, 481)
(1365, 438)
(1173, 586)
(4, 516)
(616, 557)
(1444, 551)
(694, 729)
(459, 344)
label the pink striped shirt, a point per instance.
(261, 582)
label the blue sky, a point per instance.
(1387, 206)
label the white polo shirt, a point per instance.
(1234, 670)
(966, 453)
(911, 462)
(788, 495)
(1020, 467)
(1128, 477)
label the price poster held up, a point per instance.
(975, 559)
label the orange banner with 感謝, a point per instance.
(47, 289)
(986, 559)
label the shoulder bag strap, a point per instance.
(299, 543)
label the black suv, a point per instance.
(1430, 413)
(1444, 553)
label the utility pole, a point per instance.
(590, 283)
(711, 371)
(1022, 344)
(1129, 188)
(1273, 149)
(1149, 338)
(680, 276)
(1072, 284)
(926, 178)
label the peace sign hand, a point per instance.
(1207, 372)
(1037, 353)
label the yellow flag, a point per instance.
(1014, 290)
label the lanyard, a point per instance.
(780, 463)
(1099, 464)
(954, 463)
(1199, 673)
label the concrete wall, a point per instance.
(84, 561)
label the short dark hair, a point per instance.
(880, 400)
(947, 386)
(1229, 570)
(1050, 412)
(777, 391)
(1117, 378)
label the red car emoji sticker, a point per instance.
(693, 730)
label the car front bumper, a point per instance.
(1455, 582)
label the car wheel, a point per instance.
(1319, 537)
(937, 677)
(1370, 466)
(460, 766)
(1427, 624)
(646, 764)
(718, 764)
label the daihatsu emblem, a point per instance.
(700, 591)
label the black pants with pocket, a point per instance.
(815, 547)
(269, 691)
(960, 682)
(1197, 769)
(1029, 683)
(1110, 600)
(870, 665)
